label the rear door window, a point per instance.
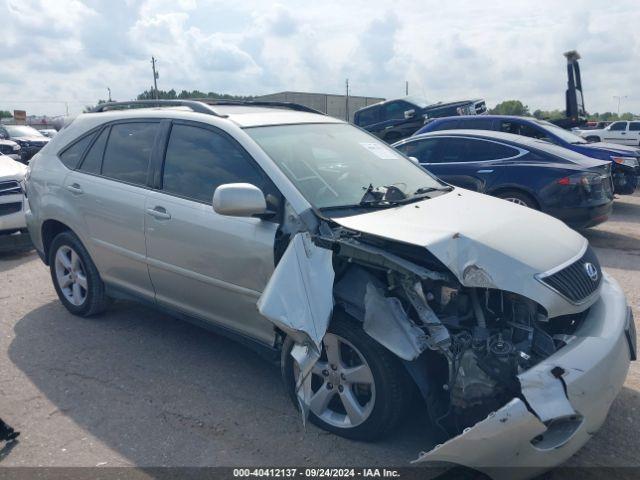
(72, 155)
(92, 162)
(128, 152)
(634, 126)
(459, 150)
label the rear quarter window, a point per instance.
(71, 155)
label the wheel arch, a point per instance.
(517, 189)
(50, 229)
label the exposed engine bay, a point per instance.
(467, 348)
(483, 338)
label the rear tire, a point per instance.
(75, 276)
(381, 404)
(593, 138)
(519, 198)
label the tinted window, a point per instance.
(72, 155)
(446, 125)
(618, 126)
(424, 150)
(477, 124)
(455, 150)
(395, 110)
(93, 159)
(367, 117)
(634, 126)
(198, 160)
(128, 152)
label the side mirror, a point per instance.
(415, 160)
(239, 200)
(3, 136)
(409, 114)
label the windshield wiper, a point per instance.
(385, 196)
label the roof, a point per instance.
(241, 115)
(517, 140)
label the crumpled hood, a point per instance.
(10, 169)
(484, 241)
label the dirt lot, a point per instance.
(135, 387)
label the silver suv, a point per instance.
(366, 277)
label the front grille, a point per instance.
(577, 281)
(9, 208)
(10, 188)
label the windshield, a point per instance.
(22, 131)
(337, 165)
(561, 133)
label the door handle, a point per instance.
(485, 171)
(75, 188)
(159, 212)
(623, 133)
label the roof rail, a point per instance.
(194, 105)
(260, 103)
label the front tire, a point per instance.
(592, 139)
(75, 277)
(360, 390)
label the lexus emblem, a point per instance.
(592, 271)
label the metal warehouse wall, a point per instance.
(334, 105)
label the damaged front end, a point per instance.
(471, 350)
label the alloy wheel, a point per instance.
(342, 384)
(71, 275)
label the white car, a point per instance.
(624, 133)
(13, 233)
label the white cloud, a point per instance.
(71, 50)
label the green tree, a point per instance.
(5, 114)
(510, 107)
(185, 94)
(549, 114)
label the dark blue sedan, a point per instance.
(576, 189)
(625, 159)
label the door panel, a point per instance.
(113, 215)
(209, 265)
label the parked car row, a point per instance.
(27, 138)
(534, 173)
(13, 234)
(625, 160)
(396, 119)
(368, 277)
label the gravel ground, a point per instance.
(136, 387)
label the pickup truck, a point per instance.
(394, 120)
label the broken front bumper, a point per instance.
(592, 368)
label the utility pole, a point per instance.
(109, 90)
(346, 112)
(619, 97)
(406, 88)
(155, 77)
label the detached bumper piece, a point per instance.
(520, 441)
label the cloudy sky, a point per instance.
(57, 51)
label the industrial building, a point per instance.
(339, 106)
